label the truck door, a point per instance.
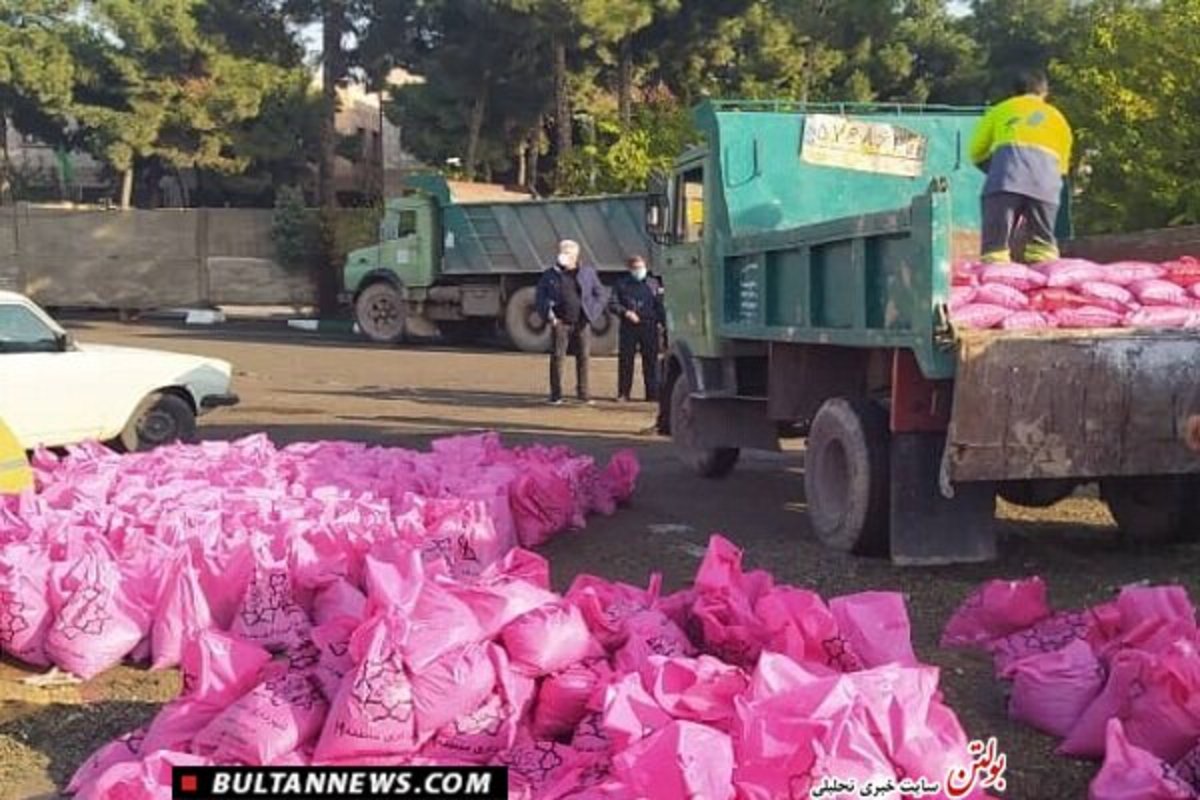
(683, 258)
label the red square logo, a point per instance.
(189, 783)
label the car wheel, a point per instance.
(162, 419)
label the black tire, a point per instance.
(1151, 509)
(1036, 494)
(162, 418)
(380, 312)
(606, 336)
(526, 328)
(847, 476)
(708, 462)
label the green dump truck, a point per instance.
(807, 255)
(466, 267)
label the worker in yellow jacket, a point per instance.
(1024, 146)
(15, 475)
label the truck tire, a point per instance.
(380, 312)
(1036, 494)
(526, 328)
(606, 334)
(1151, 509)
(708, 462)
(847, 476)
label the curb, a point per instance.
(339, 326)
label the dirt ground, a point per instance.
(296, 386)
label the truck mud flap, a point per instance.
(926, 527)
(1062, 404)
(734, 422)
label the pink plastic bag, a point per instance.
(1165, 717)
(218, 668)
(1003, 295)
(1050, 691)
(515, 586)
(1049, 300)
(1087, 317)
(145, 780)
(698, 689)
(340, 599)
(1138, 604)
(562, 701)
(996, 609)
(269, 614)
(876, 627)
(481, 735)
(1070, 273)
(1131, 773)
(630, 712)
(1164, 317)
(961, 296)
(1159, 293)
(797, 623)
(181, 615)
(1126, 273)
(122, 750)
(535, 766)
(681, 761)
(980, 316)
(1018, 276)
(1045, 636)
(1027, 321)
(373, 714)
(1107, 295)
(95, 624)
(454, 685)
(542, 505)
(547, 639)
(607, 606)
(1086, 738)
(619, 479)
(276, 717)
(651, 633)
(965, 273)
(25, 616)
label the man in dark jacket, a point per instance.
(570, 297)
(638, 302)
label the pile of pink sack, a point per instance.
(1072, 293)
(127, 556)
(1118, 681)
(736, 687)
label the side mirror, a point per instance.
(66, 342)
(657, 224)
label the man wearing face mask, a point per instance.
(638, 303)
(570, 297)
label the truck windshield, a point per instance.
(689, 214)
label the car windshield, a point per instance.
(22, 331)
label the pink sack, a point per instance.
(481, 735)
(1185, 271)
(1087, 317)
(1003, 295)
(698, 689)
(965, 273)
(682, 761)
(630, 712)
(438, 623)
(651, 633)
(542, 505)
(535, 766)
(1107, 295)
(619, 479)
(1159, 293)
(516, 585)
(876, 627)
(797, 623)
(607, 606)
(1165, 717)
(996, 609)
(122, 750)
(1045, 636)
(1073, 272)
(95, 624)
(961, 296)
(373, 714)
(218, 668)
(1050, 691)
(547, 639)
(1086, 739)
(1188, 768)
(1138, 604)
(339, 599)
(454, 685)
(276, 717)
(25, 616)
(334, 662)
(269, 614)
(1027, 321)
(1048, 300)
(1131, 773)
(1126, 273)
(1018, 276)
(562, 701)
(181, 615)
(980, 316)
(1164, 317)
(139, 780)
(775, 756)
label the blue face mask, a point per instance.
(640, 273)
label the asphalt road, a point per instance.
(297, 387)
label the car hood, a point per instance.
(158, 359)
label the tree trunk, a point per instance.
(625, 83)
(562, 106)
(127, 187)
(333, 70)
(5, 164)
(520, 154)
(535, 156)
(475, 127)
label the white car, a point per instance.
(55, 392)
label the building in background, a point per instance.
(38, 171)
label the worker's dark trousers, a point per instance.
(643, 338)
(577, 338)
(1002, 211)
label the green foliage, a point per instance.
(1131, 91)
(295, 231)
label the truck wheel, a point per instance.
(606, 333)
(708, 462)
(380, 312)
(1151, 509)
(162, 418)
(847, 476)
(1036, 494)
(526, 328)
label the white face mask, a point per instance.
(640, 273)
(564, 261)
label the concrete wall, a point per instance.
(145, 259)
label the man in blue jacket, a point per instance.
(570, 297)
(638, 303)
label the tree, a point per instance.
(615, 25)
(1019, 34)
(1130, 91)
